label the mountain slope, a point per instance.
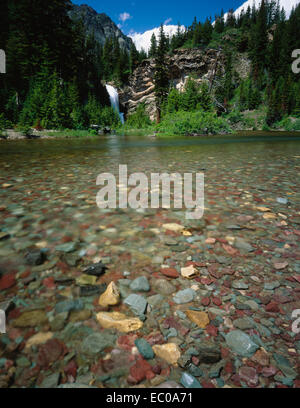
(102, 26)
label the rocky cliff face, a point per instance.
(102, 26)
(196, 63)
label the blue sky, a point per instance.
(141, 15)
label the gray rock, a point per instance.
(68, 305)
(240, 285)
(189, 381)
(209, 353)
(283, 201)
(51, 381)
(244, 323)
(184, 296)
(163, 287)
(271, 285)
(35, 258)
(140, 284)
(59, 321)
(243, 245)
(76, 385)
(169, 384)
(67, 248)
(137, 304)
(155, 300)
(241, 343)
(97, 342)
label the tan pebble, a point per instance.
(200, 318)
(111, 297)
(119, 321)
(169, 352)
(189, 272)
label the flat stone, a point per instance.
(249, 375)
(163, 287)
(140, 284)
(35, 258)
(189, 272)
(244, 323)
(240, 285)
(97, 269)
(37, 339)
(86, 280)
(51, 381)
(184, 296)
(243, 245)
(155, 300)
(67, 248)
(137, 304)
(69, 305)
(201, 319)
(283, 201)
(145, 349)
(240, 343)
(170, 273)
(80, 315)
(173, 227)
(31, 319)
(271, 285)
(97, 342)
(189, 381)
(169, 384)
(169, 352)
(208, 352)
(119, 321)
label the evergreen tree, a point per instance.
(153, 47)
(161, 77)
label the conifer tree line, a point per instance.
(266, 36)
(55, 72)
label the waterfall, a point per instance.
(114, 100)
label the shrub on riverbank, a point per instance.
(189, 123)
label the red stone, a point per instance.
(205, 301)
(71, 369)
(195, 360)
(206, 281)
(170, 272)
(140, 370)
(127, 342)
(212, 330)
(156, 369)
(7, 281)
(249, 375)
(172, 322)
(49, 283)
(272, 307)
(51, 352)
(229, 368)
(217, 301)
(155, 338)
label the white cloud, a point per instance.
(168, 20)
(124, 17)
(143, 40)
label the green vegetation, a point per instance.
(193, 123)
(55, 73)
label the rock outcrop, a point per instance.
(200, 64)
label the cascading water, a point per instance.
(114, 100)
